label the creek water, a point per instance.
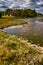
(32, 31)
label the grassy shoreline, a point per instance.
(16, 51)
(10, 21)
(41, 20)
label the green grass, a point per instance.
(10, 21)
(15, 52)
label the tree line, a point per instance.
(20, 13)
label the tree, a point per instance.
(8, 11)
(26, 13)
(0, 15)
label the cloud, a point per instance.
(32, 4)
(39, 3)
(23, 4)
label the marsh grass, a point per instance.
(15, 52)
(10, 21)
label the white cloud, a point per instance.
(39, 3)
(23, 3)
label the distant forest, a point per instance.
(20, 13)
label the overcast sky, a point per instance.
(33, 4)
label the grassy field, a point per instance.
(15, 52)
(10, 21)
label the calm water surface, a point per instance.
(31, 31)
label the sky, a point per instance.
(22, 4)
